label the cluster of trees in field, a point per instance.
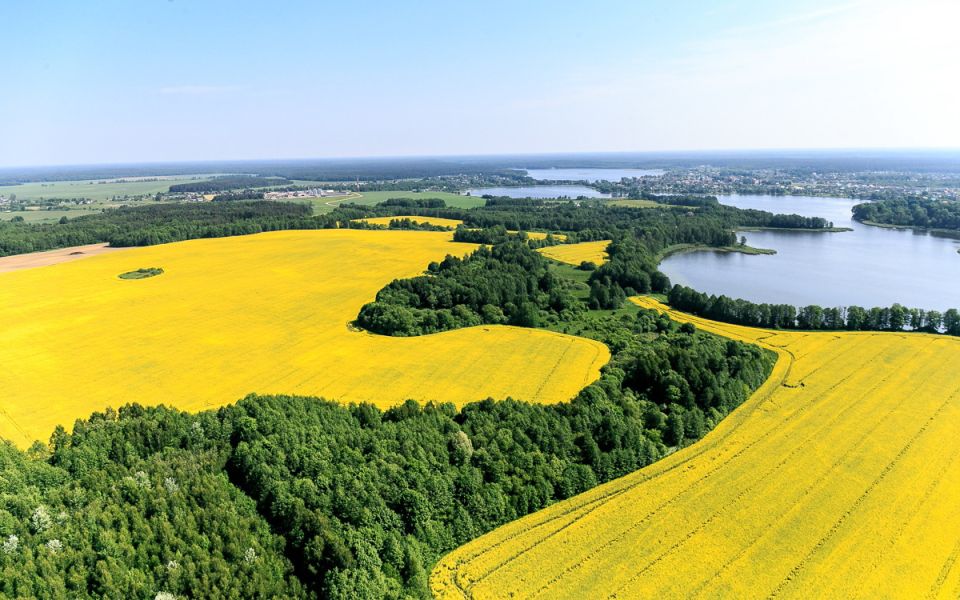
(911, 212)
(222, 184)
(292, 496)
(498, 234)
(506, 283)
(241, 195)
(402, 223)
(629, 270)
(413, 224)
(787, 316)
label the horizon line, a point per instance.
(491, 155)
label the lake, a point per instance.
(540, 191)
(590, 175)
(869, 266)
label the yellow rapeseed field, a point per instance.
(574, 254)
(839, 478)
(451, 223)
(540, 235)
(267, 313)
(439, 221)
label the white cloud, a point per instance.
(877, 73)
(795, 19)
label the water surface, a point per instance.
(869, 266)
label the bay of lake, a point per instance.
(869, 266)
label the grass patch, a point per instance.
(634, 203)
(141, 273)
(586, 326)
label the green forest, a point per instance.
(911, 212)
(231, 182)
(508, 283)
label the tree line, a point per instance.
(655, 229)
(239, 195)
(160, 223)
(222, 184)
(629, 270)
(787, 316)
(498, 234)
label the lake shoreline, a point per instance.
(798, 229)
(687, 248)
(948, 233)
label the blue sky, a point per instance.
(158, 80)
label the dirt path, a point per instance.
(350, 196)
(52, 257)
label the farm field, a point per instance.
(98, 190)
(439, 221)
(540, 235)
(325, 205)
(267, 313)
(839, 478)
(49, 216)
(574, 254)
(452, 223)
(451, 199)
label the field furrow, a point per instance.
(835, 482)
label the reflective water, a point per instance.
(869, 266)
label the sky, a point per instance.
(105, 81)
